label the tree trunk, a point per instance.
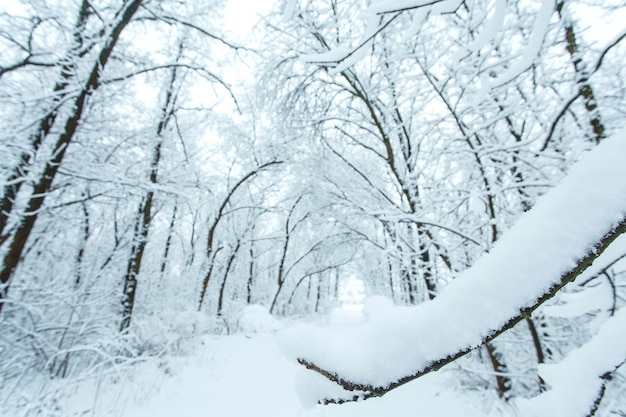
(15, 179)
(144, 214)
(281, 266)
(168, 241)
(474, 142)
(231, 260)
(211, 251)
(83, 245)
(250, 282)
(42, 186)
(503, 382)
(582, 76)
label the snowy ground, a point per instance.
(248, 375)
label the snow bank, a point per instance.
(257, 319)
(544, 244)
(247, 376)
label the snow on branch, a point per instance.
(532, 49)
(550, 246)
(439, 6)
(584, 371)
(382, 13)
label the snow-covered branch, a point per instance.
(550, 246)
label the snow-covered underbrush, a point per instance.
(242, 374)
(251, 373)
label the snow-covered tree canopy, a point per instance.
(416, 198)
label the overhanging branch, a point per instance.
(370, 391)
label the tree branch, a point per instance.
(174, 20)
(375, 391)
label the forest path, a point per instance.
(248, 375)
(229, 376)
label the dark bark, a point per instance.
(606, 378)
(318, 295)
(526, 204)
(140, 237)
(83, 245)
(283, 257)
(503, 382)
(250, 282)
(474, 142)
(43, 185)
(15, 179)
(229, 265)
(211, 251)
(207, 277)
(397, 164)
(144, 214)
(168, 241)
(390, 273)
(582, 76)
(538, 349)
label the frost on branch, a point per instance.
(551, 245)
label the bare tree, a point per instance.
(17, 242)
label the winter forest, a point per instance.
(343, 208)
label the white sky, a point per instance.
(601, 26)
(241, 15)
